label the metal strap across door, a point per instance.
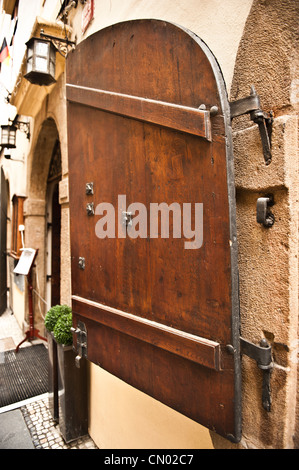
(149, 130)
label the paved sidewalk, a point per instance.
(42, 429)
(13, 431)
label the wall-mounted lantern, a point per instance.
(40, 62)
(41, 57)
(8, 136)
(9, 132)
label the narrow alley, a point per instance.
(28, 424)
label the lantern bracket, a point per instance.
(61, 44)
(21, 125)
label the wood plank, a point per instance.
(200, 350)
(183, 118)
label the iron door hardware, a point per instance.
(81, 262)
(90, 208)
(263, 214)
(262, 354)
(89, 188)
(127, 218)
(81, 348)
(251, 104)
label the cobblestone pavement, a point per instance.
(45, 431)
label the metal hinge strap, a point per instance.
(262, 354)
(251, 104)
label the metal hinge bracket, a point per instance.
(81, 348)
(262, 354)
(251, 104)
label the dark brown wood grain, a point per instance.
(158, 316)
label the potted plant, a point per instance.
(67, 383)
(58, 321)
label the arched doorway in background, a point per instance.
(53, 228)
(44, 173)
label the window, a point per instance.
(17, 220)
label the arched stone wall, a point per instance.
(41, 157)
(268, 258)
(49, 125)
(35, 209)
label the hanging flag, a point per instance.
(4, 53)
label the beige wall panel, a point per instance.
(122, 417)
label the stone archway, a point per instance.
(35, 211)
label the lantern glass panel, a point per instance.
(30, 51)
(52, 53)
(41, 64)
(42, 49)
(12, 138)
(52, 68)
(4, 135)
(29, 64)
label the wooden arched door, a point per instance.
(148, 124)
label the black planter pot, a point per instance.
(67, 390)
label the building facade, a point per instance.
(255, 43)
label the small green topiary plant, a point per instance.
(60, 316)
(62, 330)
